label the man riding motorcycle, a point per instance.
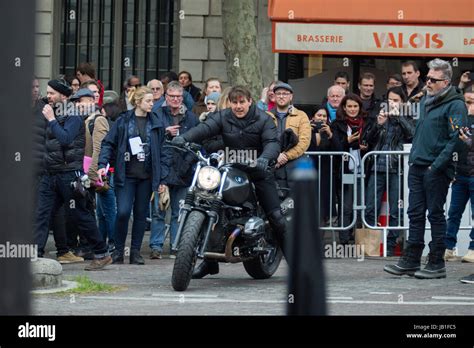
(245, 127)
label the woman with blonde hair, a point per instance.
(224, 101)
(141, 166)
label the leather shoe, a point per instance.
(117, 257)
(136, 258)
(206, 267)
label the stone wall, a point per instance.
(44, 42)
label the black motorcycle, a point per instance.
(220, 219)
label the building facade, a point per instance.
(139, 37)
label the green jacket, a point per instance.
(436, 137)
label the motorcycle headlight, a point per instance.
(208, 178)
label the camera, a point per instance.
(316, 125)
(80, 185)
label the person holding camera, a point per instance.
(462, 189)
(391, 131)
(322, 139)
(350, 120)
(64, 180)
(294, 132)
(141, 166)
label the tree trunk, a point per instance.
(240, 45)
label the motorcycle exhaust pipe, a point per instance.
(228, 256)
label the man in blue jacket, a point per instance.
(63, 163)
(177, 120)
(436, 141)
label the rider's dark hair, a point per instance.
(238, 92)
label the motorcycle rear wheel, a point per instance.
(264, 266)
(187, 251)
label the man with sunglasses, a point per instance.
(432, 167)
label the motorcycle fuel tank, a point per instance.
(236, 187)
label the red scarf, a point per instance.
(355, 122)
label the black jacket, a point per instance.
(258, 132)
(67, 156)
(465, 163)
(39, 137)
(390, 136)
(116, 142)
(194, 91)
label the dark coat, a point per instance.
(182, 164)
(465, 163)
(39, 137)
(258, 133)
(194, 91)
(116, 142)
(66, 155)
(436, 138)
(390, 136)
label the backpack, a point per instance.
(91, 124)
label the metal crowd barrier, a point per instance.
(351, 179)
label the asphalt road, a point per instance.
(353, 288)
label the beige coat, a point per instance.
(94, 142)
(298, 121)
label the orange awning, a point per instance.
(373, 27)
(455, 12)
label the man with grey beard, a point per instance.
(432, 167)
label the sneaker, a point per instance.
(98, 264)
(469, 257)
(172, 256)
(69, 257)
(155, 255)
(467, 279)
(450, 255)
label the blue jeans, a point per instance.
(55, 190)
(134, 194)
(107, 212)
(461, 191)
(157, 236)
(427, 191)
(372, 209)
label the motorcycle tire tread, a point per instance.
(186, 254)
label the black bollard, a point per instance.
(306, 288)
(17, 29)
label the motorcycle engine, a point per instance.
(254, 228)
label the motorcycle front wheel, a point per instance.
(187, 251)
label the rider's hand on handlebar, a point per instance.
(178, 141)
(262, 164)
